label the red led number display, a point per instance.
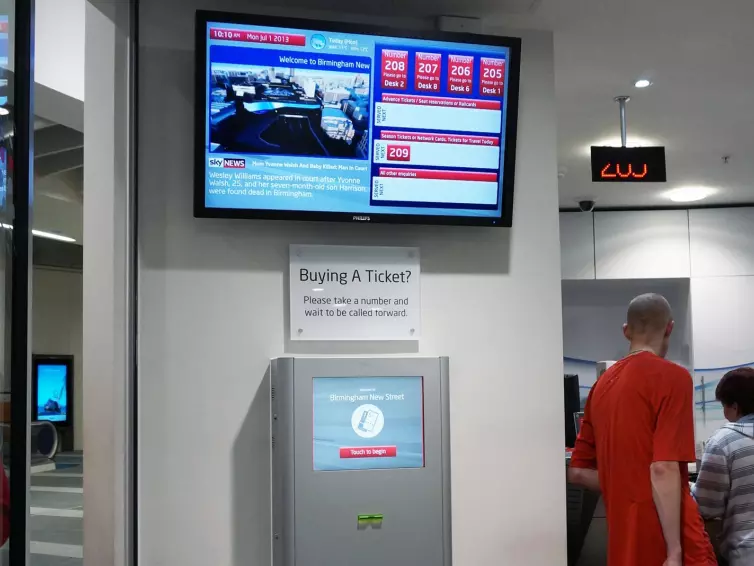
(613, 171)
(394, 69)
(628, 164)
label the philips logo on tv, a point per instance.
(218, 162)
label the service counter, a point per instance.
(587, 532)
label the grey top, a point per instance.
(725, 488)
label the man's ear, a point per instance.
(626, 332)
(669, 328)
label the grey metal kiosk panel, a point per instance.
(325, 513)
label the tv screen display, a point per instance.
(299, 119)
(4, 29)
(368, 423)
(52, 392)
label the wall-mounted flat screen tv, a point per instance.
(52, 389)
(308, 120)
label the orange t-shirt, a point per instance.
(639, 412)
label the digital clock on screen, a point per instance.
(628, 165)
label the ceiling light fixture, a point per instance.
(53, 236)
(642, 83)
(43, 234)
(689, 194)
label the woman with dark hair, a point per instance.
(725, 487)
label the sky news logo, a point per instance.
(219, 162)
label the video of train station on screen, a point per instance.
(325, 113)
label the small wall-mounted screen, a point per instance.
(334, 121)
(52, 392)
(367, 423)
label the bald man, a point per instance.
(636, 440)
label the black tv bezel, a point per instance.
(41, 359)
(203, 17)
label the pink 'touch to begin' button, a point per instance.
(369, 452)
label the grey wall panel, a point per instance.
(577, 245)
(722, 242)
(646, 245)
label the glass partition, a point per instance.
(16, 178)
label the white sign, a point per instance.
(355, 293)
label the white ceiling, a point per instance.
(58, 179)
(701, 105)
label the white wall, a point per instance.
(212, 312)
(721, 242)
(59, 61)
(52, 213)
(577, 245)
(108, 280)
(723, 310)
(652, 244)
(59, 46)
(57, 307)
(640, 244)
(625, 244)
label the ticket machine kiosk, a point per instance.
(361, 462)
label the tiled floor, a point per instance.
(56, 521)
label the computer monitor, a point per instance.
(571, 406)
(578, 418)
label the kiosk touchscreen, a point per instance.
(361, 462)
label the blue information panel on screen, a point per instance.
(4, 27)
(52, 392)
(363, 423)
(315, 121)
